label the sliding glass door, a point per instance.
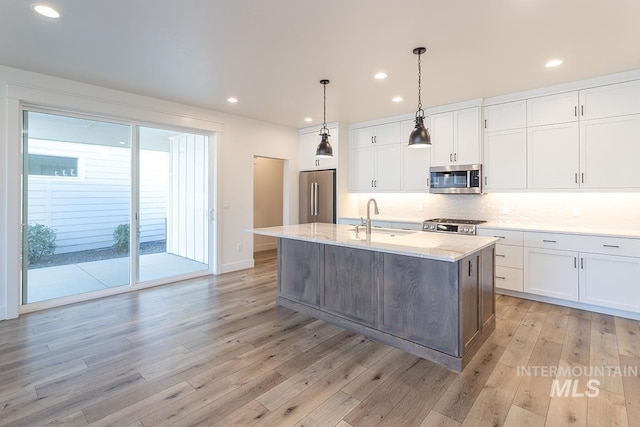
(76, 205)
(173, 203)
(89, 227)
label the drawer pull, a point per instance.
(501, 255)
(500, 237)
(611, 246)
(501, 278)
(549, 241)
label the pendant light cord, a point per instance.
(419, 83)
(324, 111)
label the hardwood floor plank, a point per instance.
(285, 391)
(575, 348)
(76, 419)
(535, 384)
(330, 412)
(457, 400)
(519, 349)
(518, 416)
(604, 355)
(374, 376)
(631, 383)
(555, 327)
(246, 415)
(567, 409)
(494, 402)
(628, 336)
(436, 419)
(607, 409)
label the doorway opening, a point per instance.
(268, 199)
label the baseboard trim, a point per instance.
(570, 304)
(235, 266)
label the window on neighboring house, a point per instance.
(40, 164)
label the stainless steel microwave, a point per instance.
(456, 179)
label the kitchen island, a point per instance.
(430, 294)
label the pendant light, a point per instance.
(324, 148)
(420, 135)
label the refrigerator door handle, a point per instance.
(316, 196)
(311, 199)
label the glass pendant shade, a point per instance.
(324, 148)
(420, 136)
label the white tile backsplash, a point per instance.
(608, 210)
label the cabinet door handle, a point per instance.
(582, 263)
(576, 177)
(582, 177)
(485, 180)
(485, 123)
(451, 157)
(501, 278)
(371, 183)
(469, 268)
(455, 157)
(575, 111)
(375, 182)
(549, 241)
(427, 182)
(575, 262)
(582, 110)
(611, 246)
(501, 255)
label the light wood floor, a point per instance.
(218, 351)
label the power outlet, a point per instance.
(504, 210)
(225, 205)
(239, 247)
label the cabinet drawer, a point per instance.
(610, 246)
(509, 256)
(509, 278)
(565, 242)
(508, 237)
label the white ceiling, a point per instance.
(272, 54)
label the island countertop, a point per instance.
(436, 246)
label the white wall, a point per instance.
(238, 140)
(588, 209)
(267, 199)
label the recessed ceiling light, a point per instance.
(47, 11)
(553, 63)
(308, 119)
(232, 100)
(380, 76)
(397, 99)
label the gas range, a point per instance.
(449, 225)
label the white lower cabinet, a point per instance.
(508, 258)
(551, 273)
(610, 281)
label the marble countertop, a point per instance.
(437, 246)
(588, 231)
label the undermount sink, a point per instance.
(391, 232)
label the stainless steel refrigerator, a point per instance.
(318, 196)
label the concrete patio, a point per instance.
(64, 280)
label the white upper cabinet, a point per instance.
(611, 100)
(388, 133)
(505, 160)
(610, 152)
(415, 161)
(455, 137)
(510, 115)
(552, 109)
(375, 158)
(553, 156)
(308, 146)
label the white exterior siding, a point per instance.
(85, 210)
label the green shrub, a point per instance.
(41, 242)
(121, 238)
